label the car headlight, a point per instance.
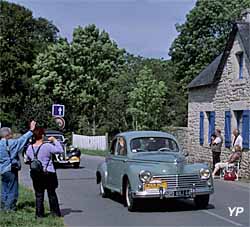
(145, 176)
(204, 174)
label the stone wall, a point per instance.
(230, 94)
(181, 134)
(203, 153)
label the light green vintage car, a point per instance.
(150, 164)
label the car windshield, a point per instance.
(59, 138)
(148, 144)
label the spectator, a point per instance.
(216, 145)
(235, 156)
(237, 139)
(47, 180)
(10, 165)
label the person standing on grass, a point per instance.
(47, 178)
(10, 165)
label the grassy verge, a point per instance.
(25, 214)
(94, 152)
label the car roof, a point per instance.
(53, 132)
(137, 134)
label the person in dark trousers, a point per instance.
(10, 165)
(47, 180)
(216, 145)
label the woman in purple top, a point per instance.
(47, 180)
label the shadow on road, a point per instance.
(165, 205)
(67, 211)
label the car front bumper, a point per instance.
(173, 193)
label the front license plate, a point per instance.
(151, 186)
(184, 193)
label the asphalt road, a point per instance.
(81, 204)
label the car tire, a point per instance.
(130, 202)
(104, 192)
(76, 165)
(201, 201)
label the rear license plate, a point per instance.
(151, 186)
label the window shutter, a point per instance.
(246, 128)
(211, 125)
(201, 128)
(241, 66)
(227, 129)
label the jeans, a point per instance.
(47, 182)
(9, 190)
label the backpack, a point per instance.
(36, 165)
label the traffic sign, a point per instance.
(60, 121)
(58, 110)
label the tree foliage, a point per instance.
(146, 101)
(22, 37)
(77, 74)
(203, 36)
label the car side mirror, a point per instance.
(185, 153)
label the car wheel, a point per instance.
(201, 201)
(76, 165)
(104, 192)
(130, 201)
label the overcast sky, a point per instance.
(142, 27)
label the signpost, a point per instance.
(58, 110)
(60, 121)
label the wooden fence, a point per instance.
(90, 142)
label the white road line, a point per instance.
(222, 218)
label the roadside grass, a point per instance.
(94, 152)
(25, 214)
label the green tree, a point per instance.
(203, 36)
(146, 101)
(21, 37)
(77, 74)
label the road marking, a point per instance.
(221, 217)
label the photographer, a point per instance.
(10, 165)
(44, 177)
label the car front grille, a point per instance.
(182, 181)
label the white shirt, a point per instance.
(217, 140)
(238, 141)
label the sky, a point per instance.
(142, 27)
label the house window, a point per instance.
(240, 63)
(238, 119)
(242, 122)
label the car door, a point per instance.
(110, 163)
(118, 162)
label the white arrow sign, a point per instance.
(58, 110)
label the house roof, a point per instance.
(212, 73)
(206, 76)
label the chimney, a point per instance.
(245, 15)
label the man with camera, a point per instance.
(10, 165)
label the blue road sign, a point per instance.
(58, 110)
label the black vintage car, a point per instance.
(71, 155)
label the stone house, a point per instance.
(219, 97)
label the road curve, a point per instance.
(81, 204)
